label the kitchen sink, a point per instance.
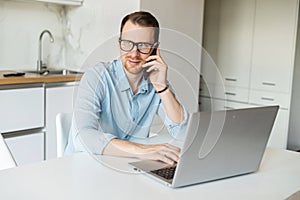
(53, 72)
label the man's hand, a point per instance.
(164, 152)
(158, 70)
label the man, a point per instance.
(117, 101)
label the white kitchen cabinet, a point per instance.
(225, 92)
(59, 99)
(27, 147)
(270, 98)
(274, 42)
(62, 2)
(21, 108)
(22, 121)
(28, 119)
(235, 41)
(255, 43)
(279, 136)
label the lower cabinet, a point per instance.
(26, 147)
(59, 99)
(28, 121)
(22, 121)
(21, 108)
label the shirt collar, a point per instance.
(123, 83)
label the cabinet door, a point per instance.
(58, 99)
(63, 2)
(279, 134)
(235, 41)
(274, 45)
(27, 148)
(228, 92)
(269, 98)
(21, 109)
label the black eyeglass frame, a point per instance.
(153, 45)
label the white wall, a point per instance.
(180, 42)
(20, 26)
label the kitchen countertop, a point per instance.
(36, 78)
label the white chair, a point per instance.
(6, 159)
(63, 124)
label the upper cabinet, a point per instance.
(254, 49)
(62, 2)
(274, 42)
(235, 41)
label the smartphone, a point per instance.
(146, 74)
(154, 52)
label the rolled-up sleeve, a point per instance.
(176, 130)
(86, 130)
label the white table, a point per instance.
(82, 177)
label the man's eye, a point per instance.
(145, 45)
(127, 43)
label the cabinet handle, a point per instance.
(231, 79)
(268, 83)
(230, 93)
(267, 99)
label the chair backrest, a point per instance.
(6, 159)
(63, 124)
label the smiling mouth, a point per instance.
(135, 62)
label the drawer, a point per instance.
(269, 98)
(28, 148)
(232, 93)
(228, 92)
(21, 109)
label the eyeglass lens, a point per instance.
(143, 47)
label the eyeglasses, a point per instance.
(142, 47)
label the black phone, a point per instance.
(146, 74)
(154, 52)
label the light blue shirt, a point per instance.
(106, 108)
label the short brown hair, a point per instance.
(142, 18)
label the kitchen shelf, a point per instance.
(61, 2)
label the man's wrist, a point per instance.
(162, 90)
(160, 86)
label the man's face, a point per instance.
(133, 60)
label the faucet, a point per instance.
(40, 64)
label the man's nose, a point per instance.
(135, 51)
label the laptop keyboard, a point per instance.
(167, 173)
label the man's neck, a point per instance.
(134, 81)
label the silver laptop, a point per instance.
(218, 145)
